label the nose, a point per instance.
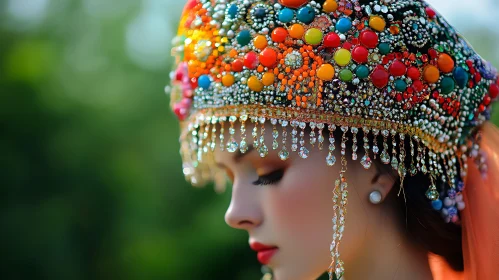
(244, 211)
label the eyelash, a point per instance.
(270, 179)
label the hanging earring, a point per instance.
(375, 197)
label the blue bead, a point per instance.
(452, 211)
(461, 77)
(306, 15)
(437, 204)
(400, 85)
(260, 13)
(362, 72)
(286, 15)
(447, 85)
(233, 10)
(244, 37)
(384, 48)
(204, 81)
(343, 25)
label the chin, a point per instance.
(281, 273)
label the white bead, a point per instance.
(375, 197)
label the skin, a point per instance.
(295, 215)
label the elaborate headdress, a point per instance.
(392, 71)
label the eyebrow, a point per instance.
(238, 155)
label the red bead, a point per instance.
(237, 65)
(413, 73)
(478, 77)
(369, 38)
(494, 90)
(417, 85)
(279, 35)
(268, 57)
(332, 40)
(481, 108)
(433, 53)
(430, 12)
(399, 97)
(355, 41)
(251, 60)
(380, 77)
(398, 68)
(360, 54)
(347, 45)
(486, 100)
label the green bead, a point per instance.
(346, 75)
(313, 36)
(362, 72)
(244, 37)
(400, 85)
(447, 85)
(384, 48)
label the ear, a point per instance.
(383, 182)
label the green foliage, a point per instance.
(92, 186)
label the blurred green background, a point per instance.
(91, 181)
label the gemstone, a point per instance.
(313, 36)
(447, 85)
(263, 150)
(431, 74)
(228, 80)
(432, 194)
(260, 42)
(306, 15)
(232, 146)
(380, 78)
(395, 163)
(268, 57)
(377, 23)
(233, 10)
(400, 85)
(286, 15)
(445, 63)
(370, 39)
(342, 57)
(430, 12)
(332, 40)
(362, 72)
(384, 48)
(360, 54)
(461, 77)
(204, 81)
(284, 154)
(346, 75)
(275, 145)
(296, 31)
(237, 65)
(385, 158)
(343, 25)
(244, 37)
(259, 13)
(293, 3)
(413, 73)
(251, 60)
(325, 72)
(268, 78)
(243, 146)
(330, 6)
(398, 68)
(330, 159)
(366, 161)
(494, 90)
(303, 153)
(279, 35)
(255, 84)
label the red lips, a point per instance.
(264, 252)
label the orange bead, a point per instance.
(279, 35)
(268, 79)
(254, 84)
(268, 57)
(296, 31)
(431, 74)
(290, 97)
(260, 42)
(228, 80)
(445, 63)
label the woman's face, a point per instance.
(288, 205)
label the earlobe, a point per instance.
(382, 184)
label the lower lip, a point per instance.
(265, 256)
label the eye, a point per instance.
(270, 179)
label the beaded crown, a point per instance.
(392, 70)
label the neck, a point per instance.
(389, 254)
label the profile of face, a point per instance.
(288, 205)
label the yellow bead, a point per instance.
(268, 79)
(342, 57)
(228, 80)
(260, 42)
(377, 23)
(330, 6)
(325, 72)
(254, 84)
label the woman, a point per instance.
(288, 97)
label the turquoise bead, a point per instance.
(204, 81)
(447, 85)
(244, 37)
(343, 25)
(437, 204)
(384, 48)
(362, 72)
(461, 77)
(233, 10)
(306, 15)
(400, 85)
(346, 75)
(286, 15)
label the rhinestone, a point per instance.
(263, 150)
(303, 152)
(366, 162)
(385, 158)
(243, 146)
(232, 146)
(275, 145)
(376, 149)
(284, 154)
(331, 159)
(395, 163)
